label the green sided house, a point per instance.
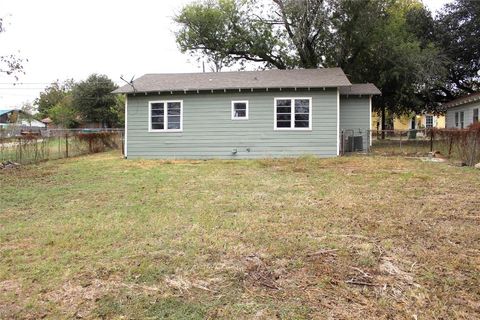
(247, 114)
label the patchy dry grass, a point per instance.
(344, 238)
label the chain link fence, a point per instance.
(455, 144)
(33, 146)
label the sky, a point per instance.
(73, 39)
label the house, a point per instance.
(463, 111)
(410, 122)
(18, 118)
(246, 114)
(419, 121)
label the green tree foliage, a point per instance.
(388, 42)
(54, 95)
(457, 33)
(94, 101)
(63, 114)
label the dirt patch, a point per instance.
(9, 288)
(78, 300)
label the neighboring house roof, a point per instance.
(463, 100)
(3, 111)
(296, 78)
(32, 123)
(360, 89)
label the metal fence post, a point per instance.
(20, 150)
(66, 145)
(431, 140)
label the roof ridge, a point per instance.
(242, 71)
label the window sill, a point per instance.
(165, 131)
(292, 129)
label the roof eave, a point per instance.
(130, 91)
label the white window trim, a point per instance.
(233, 110)
(292, 120)
(165, 117)
(433, 121)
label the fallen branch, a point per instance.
(321, 252)
(362, 283)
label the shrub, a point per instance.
(99, 141)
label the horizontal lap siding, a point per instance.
(209, 132)
(468, 114)
(355, 114)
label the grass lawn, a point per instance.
(343, 238)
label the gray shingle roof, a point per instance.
(463, 100)
(360, 89)
(296, 78)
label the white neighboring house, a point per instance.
(463, 111)
(19, 118)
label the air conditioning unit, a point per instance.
(354, 144)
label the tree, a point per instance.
(10, 64)
(457, 33)
(53, 95)
(63, 113)
(370, 40)
(94, 101)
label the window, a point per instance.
(462, 118)
(239, 110)
(456, 119)
(475, 115)
(428, 121)
(293, 114)
(165, 116)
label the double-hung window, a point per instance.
(462, 119)
(239, 110)
(475, 115)
(165, 116)
(456, 119)
(293, 114)
(428, 121)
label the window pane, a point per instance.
(301, 124)
(174, 111)
(157, 109)
(302, 116)
(284, 117)
(240, 113)
(157, 126)
(239, 109)
(429, 121)
(157, 119)
(157, 105)
(173, 125)
(284, 103)
(173, 105)
(173, 119)
(302, 105)
(284, 109)
(157, 112)
(239, 106)
(283, 124)
(284, 106)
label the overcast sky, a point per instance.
(72, 39)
